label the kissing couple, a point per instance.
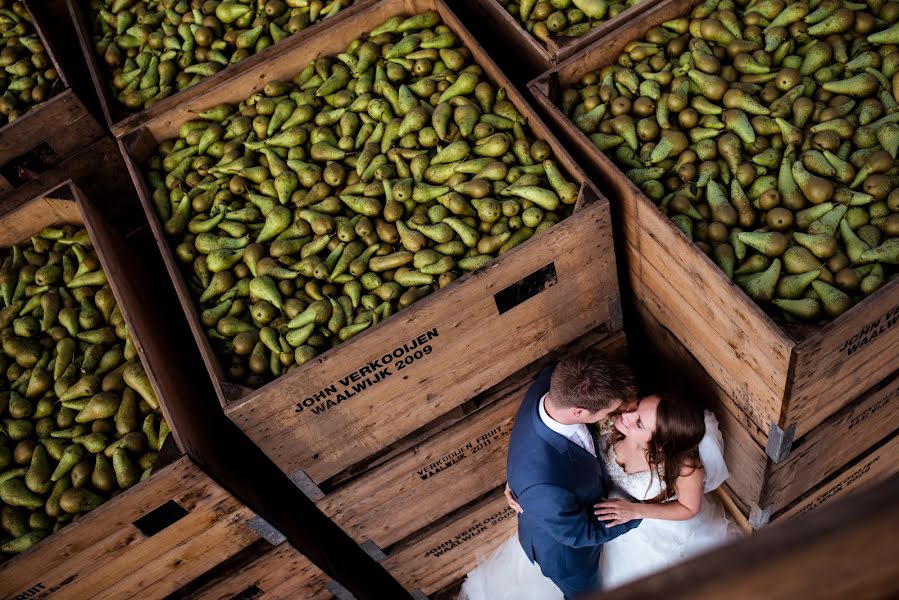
(597, 512)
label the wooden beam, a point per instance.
(845, 550)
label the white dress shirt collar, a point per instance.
(567, 431)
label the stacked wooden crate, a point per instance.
(796, 404)
(49, 132)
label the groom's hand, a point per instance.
(512, 503)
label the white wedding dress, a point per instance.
(655, 545)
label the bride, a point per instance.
(662, 457)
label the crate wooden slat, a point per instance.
(876, 466)
(451, 550)
(839, 552)
(462, 323)
(62, 123)
(758, 483)
(279, 573)
(105, 554)
(771, 376)
(90, 554)
(540, 57)
(121, 121)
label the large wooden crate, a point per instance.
(146, 542)
(768, 472)
(538, 57)
(82, 550)
(789, 380)
(48, 133)
(429, 358)
(121, 121)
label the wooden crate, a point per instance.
(66, 203)
(768, 471)
(120, 120)
(52, 562)
(146, 542)
(778, 378)
(48, 133)
(540, 296)
(537, 56)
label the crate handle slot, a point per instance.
(526, 288)
(248, 593)
(159, 518)
(28, 165)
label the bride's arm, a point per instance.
(686, 506)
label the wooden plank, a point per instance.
(843, 359)
(710, 333)
(835, 442)
(843, 551)
(122, 121)
(452, 550)
(876, 466)
(171, 568)
(433, 479)
(280, 573)
(301, 420)
(62, 122)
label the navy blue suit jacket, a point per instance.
(557, 482)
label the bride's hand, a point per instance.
(613, 511)
(512, 504)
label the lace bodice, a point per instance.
(640, 486)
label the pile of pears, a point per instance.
(546, 19)
(768, 132)
(322, 205)
(27, 75)
(154, 48)
(79, 421)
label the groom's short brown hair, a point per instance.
(591, 381)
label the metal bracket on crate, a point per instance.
(306, 485)
(373, 550)
(616, 320)
(419, 595)
(266, 531)
(759, 517)
(340, 592)
(780, 442)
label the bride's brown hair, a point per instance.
(674, 446)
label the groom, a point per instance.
(553, 470)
